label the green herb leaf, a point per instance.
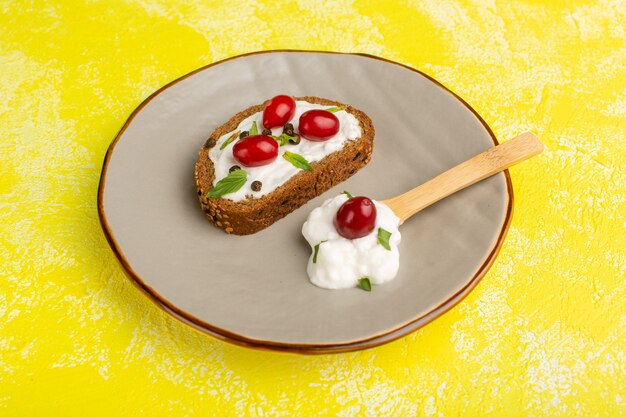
(348, 194)
(335, 109)
(365, 284)
(297, 160)
(229, 184)
(254, 130)
(316, 249)
(383, 238)
(229, 140)
(285, 138)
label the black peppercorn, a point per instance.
(256, 185)
(288, 129)
(266, 132)
(234, 168)
(244, 134)
(210, 142)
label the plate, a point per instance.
(253, 290)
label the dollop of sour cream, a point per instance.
(341, 262)
(277, 173)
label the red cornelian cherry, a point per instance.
(255, 151)
(278, 111)
(355, 218)
(318, 125)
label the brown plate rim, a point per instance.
(240, 340)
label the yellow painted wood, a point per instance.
(543, 333)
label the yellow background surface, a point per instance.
(544, 332)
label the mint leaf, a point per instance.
(348, 194)
(229, 184)
(365, 284)
(229, 140)
(316, 249)
(383, 238)
(285, 138)
(254, 130)
(297, 160)
(335, 109)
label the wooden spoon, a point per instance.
(475, 169)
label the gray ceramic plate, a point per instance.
(253, 290)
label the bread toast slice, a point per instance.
(253, 214)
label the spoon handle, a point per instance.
(477, 168)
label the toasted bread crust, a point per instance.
(254, 214)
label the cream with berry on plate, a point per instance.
(354, 241)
